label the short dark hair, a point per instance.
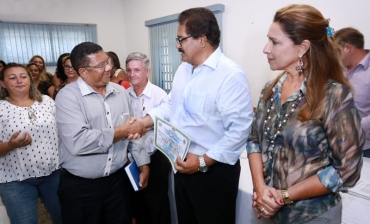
(80, 52)
(350, 36)
(3, 63)
(201, 21)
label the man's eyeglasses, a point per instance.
(101, 65)
(179, 39)
(67, 67)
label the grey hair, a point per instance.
(140, 57)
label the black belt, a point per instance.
(64, 171)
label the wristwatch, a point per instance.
(285, 194)
(203, 166)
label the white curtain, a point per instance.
(20, 41)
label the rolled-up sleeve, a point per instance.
(346, 140)
(138, 150)
(253, 143)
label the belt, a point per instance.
(64, 171)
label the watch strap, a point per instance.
(202, 165)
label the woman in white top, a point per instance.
(28, 148)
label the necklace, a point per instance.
(282, 122)
(32, 115)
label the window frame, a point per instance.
(164, 55)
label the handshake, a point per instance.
(133, 128)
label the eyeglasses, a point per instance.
(101, 65)
(67, 67)
(179, 39)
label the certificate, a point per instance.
(170, 141)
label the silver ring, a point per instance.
(261, 210)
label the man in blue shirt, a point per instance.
(210, 101)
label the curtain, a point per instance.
(20, 41)
(164, 55)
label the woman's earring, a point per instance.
(299, 67)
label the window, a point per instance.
(163, 53)
(20, 41)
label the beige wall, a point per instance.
(245, 26)
(245, 23)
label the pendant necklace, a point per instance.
(282, 122)
(32, 115)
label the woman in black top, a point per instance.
(44, 86)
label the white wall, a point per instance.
(245, 26)
(245, 23)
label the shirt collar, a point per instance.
(211, 61)
(366, 60)
(279, 85)
(148, 90)
(86, 89)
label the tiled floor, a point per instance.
(44, 217)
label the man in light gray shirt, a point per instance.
(357, 61)
(91, 115)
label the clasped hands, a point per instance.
(266, 201)
(133, 128)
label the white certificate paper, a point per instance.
(170, 141)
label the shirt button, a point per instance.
(106, 174)
(110, 159)
(108, 112)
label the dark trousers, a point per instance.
(152, 205)
(208, 198)
(367, 153)
(94, 201)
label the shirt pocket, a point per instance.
(195, 102)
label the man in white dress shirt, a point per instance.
(210, 101)
(150, 205)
